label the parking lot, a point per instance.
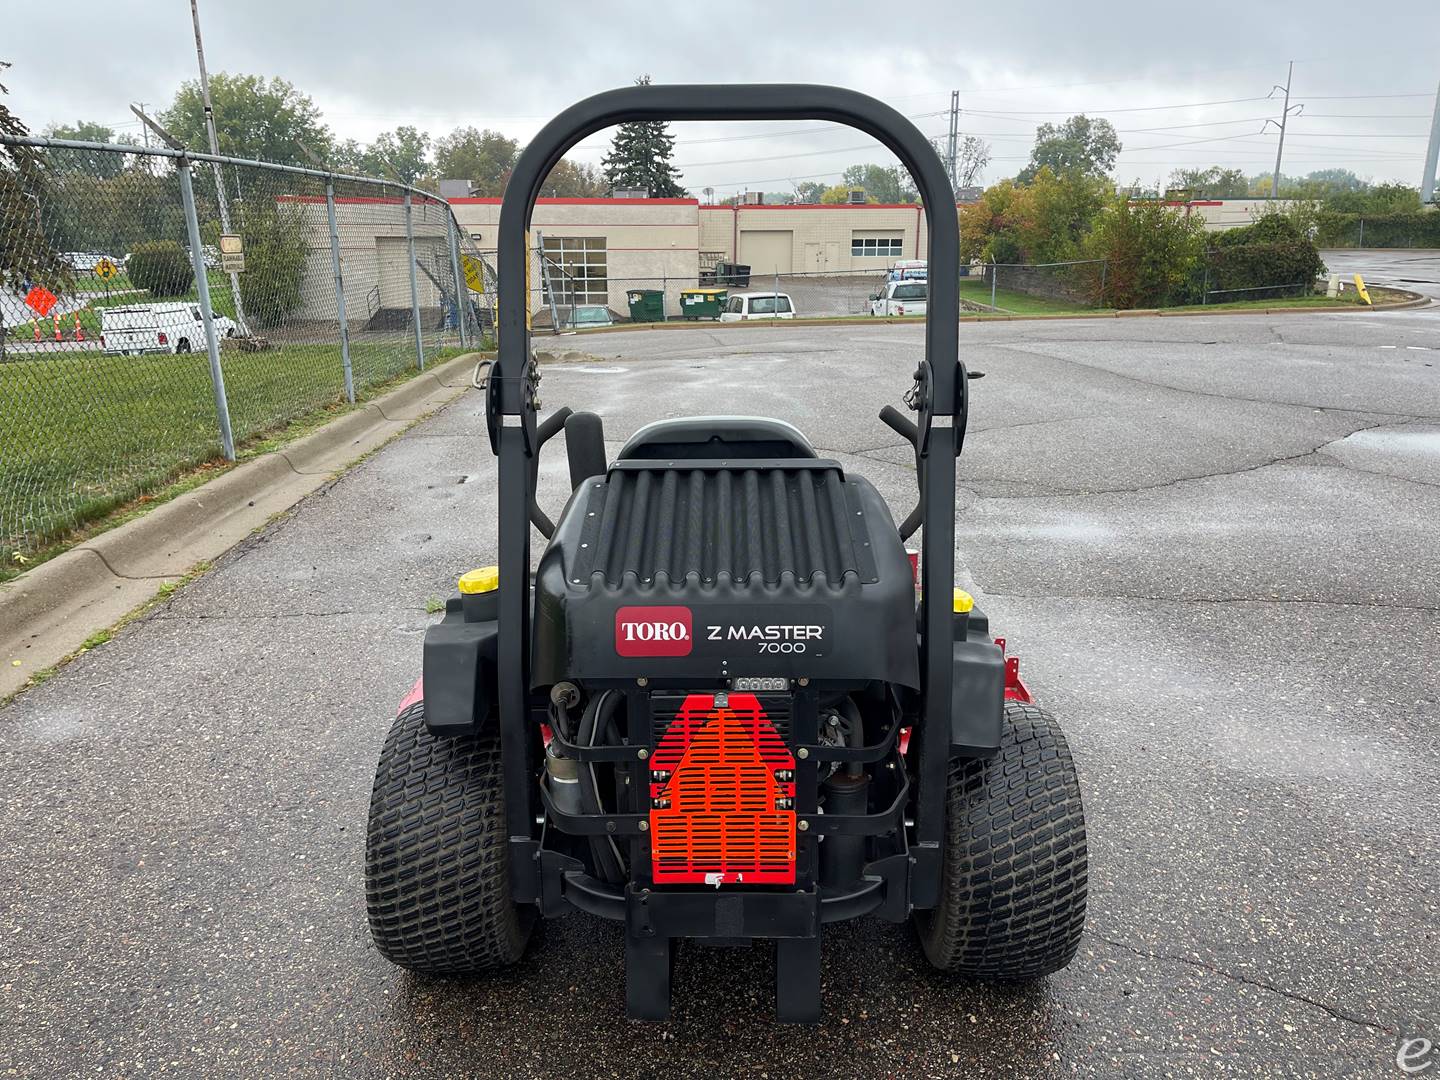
(1211, 540)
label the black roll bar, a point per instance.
(941, 407)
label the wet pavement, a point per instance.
(1211, 540)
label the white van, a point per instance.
(901, 298)
(910, 270)
(758, 305)
(157, 328)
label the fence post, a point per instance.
(339, 293)
(462, 293)
(994, 273)
(1104, 271)
(1362, 233)
(414, 285)
(207, 316)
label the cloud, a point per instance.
(371, 66)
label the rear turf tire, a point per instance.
(437, 881)
(1014, 871)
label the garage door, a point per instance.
(767, 252)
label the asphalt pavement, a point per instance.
(1211, 540)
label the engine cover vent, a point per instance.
(722, 795)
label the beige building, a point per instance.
(605, 247)
(601, 248)
(813, 238)
(1217, 215)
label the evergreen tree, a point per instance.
(640, 156)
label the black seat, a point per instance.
(695, 438)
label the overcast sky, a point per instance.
(1174, 84)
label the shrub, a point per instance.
(161, 266)
(1150, 252)
(275, 254)
(1273, 257)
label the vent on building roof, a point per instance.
(754, 198)
(856, 196)
(631, 193)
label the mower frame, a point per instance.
(940, 399)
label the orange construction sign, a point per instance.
(41, 300)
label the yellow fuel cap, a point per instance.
(486, 579)
(963, 601)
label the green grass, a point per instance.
(978, 291)
(84, 435)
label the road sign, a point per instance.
(41, 300)
(106, 269)
(474, 273)
(1360, 288)
(232, 253)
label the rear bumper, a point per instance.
(883, 891)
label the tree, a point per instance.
(809, 191)
(100, 163)
(81, 131)
(887, 184)
(840, 194)
(971, 158)
(574, 180)
(1044, 221)
(641, 157)
(485, 158)
(1327, 181)
(254, 118)
(402, 152)
(1150, 252)
(27, 254)
(1079, 145)
(1211, 183)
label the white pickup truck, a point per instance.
(900, 298)
(157, 328)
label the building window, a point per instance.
(876, 247)
(577, 269)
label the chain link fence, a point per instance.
(132, 348)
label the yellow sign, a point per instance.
(106, 269)
(474, 273)
(1364, 292)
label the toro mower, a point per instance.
(730, 705)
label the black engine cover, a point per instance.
(707, 569)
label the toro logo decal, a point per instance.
(653, 631)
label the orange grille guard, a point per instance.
(878, 824)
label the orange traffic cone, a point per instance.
(79, 330)
(58, 336)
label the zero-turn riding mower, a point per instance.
(730, 705)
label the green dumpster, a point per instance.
(703, 303)
(646, 305)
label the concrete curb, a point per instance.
(50, 611)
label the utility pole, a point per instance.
(954, 134)
(1284, 117)
(215, 165)
(144, 130)
(1432, 156)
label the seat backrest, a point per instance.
(717, 437)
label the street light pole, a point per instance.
(215, 165)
